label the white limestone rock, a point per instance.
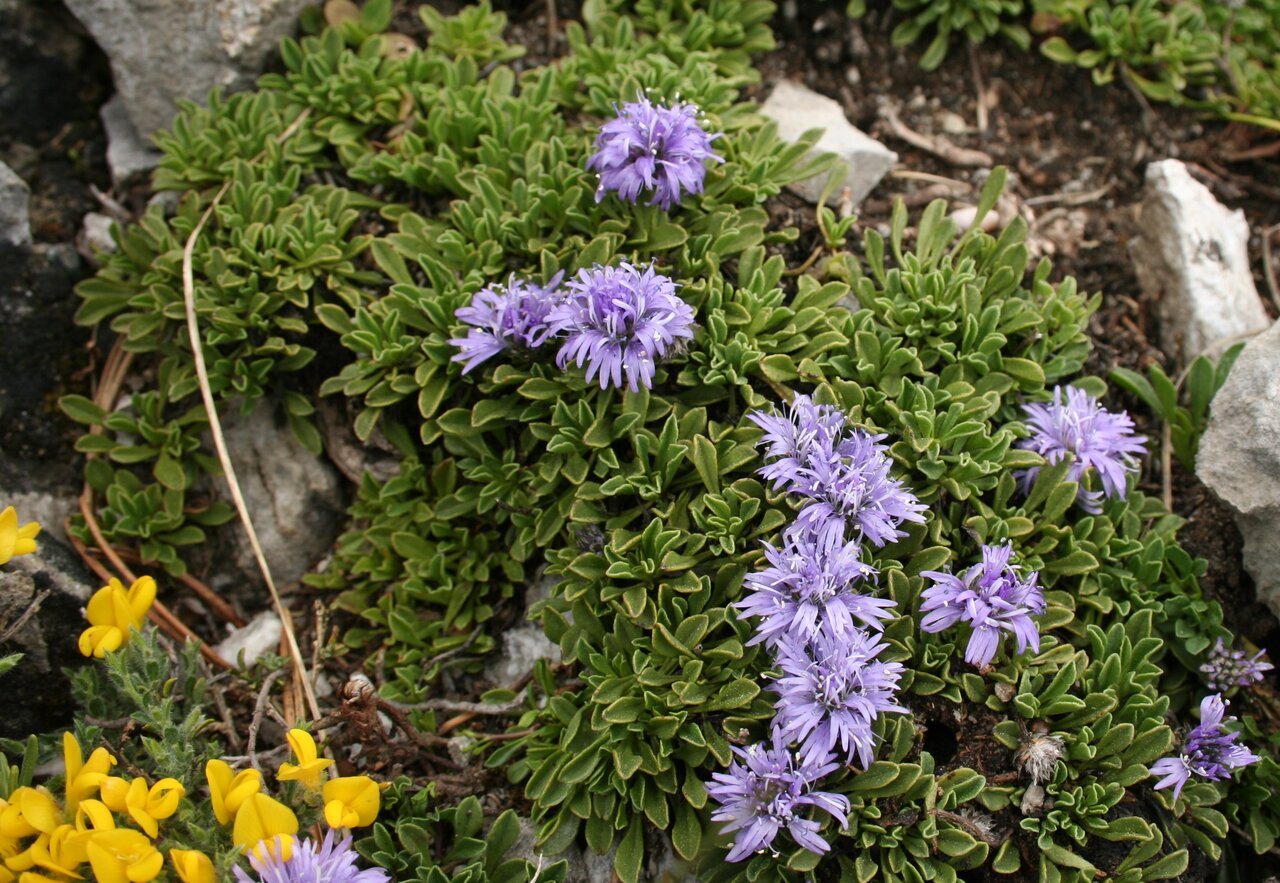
(1240, 460)
(525, 644)
(15, 197)
(128, 153)
(1193, 256)
(797, 109)
(294, 497)
(163, 50)
(95, 236)
(244, 646)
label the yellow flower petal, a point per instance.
(351, 801)
(228, 790)
(310, 766)
(123, 856)
(115, 792)
(15, 540)
(262, 818)
(99, 640)
(277, 849)
(93, 815)
(163, 798)
(142, 594)
(101, 607)
(192, 866)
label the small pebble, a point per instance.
(952, 123)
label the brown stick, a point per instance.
(935, 144)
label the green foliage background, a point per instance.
(373, 192)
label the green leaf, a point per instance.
(706, 462)
(686, 833)
(630, 858)
(81, 410)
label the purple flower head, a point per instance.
(992, 597)
(762, 793)
(842, 472)
(1209, 752)
(511, 316)
(809, 587)
(620, 320)
(1227, 668)
(831, 692)
(793, 440)
(1100, 441)
(329, 863)
(649, 147)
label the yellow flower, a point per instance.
(310, 763)
(112, 612)
(83, 779)
(93, 815)
(277, 849)
(351, 801)
(263, 818)
(228, 790)
(124, 856)
(192, 866)
(16, 540)
(145, 806)
(62, 851)
(29, 811)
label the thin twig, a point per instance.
(935, 144)
(32, 609)
(553, 27)
(463, 707)
(808, 262)
(220, 703)
(220, 443)
(1268, 268)
(1070, 198)
(915, 175)
(960, 821)
(976, 69)
(259, 708)
(1166, 464)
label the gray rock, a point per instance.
(15, 221)
(95, 236)
(294, 497)
(1193, 256)
(36, 692)
(1240, 460)
(163, 50)
(525, 644)
(797, 109)
(128, 153)
(258, 636)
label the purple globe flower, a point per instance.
(843, 473)
(514, 316)
(620, 320)
(329, 863)
(1209, 752)
(992, 598)
(763, 793)
(649, 147)
(1226, 668)
(809, 587)
(830, 693)
(794, 439)
(1101, 442)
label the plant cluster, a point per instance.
(1211, 54)
(396, 232)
